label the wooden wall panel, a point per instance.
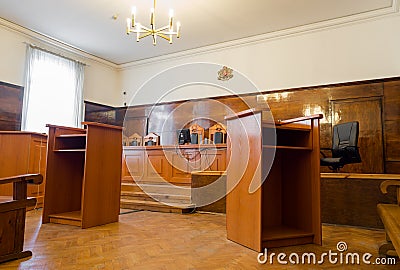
(367, 89)
(166, 119)
(392, 100)
(368, 111)
(11, 99)
(392, 126)
(353, 201)
(392, 129)
(291, 103)
(100, 113)
(392, 167)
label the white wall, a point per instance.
(356, 51)
(101, 80)
(350, 52)
(101, 84)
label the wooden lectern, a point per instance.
(83, 175)
(285, 209)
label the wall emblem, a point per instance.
(225, 74)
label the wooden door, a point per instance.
(368, 112)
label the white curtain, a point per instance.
(53, 91)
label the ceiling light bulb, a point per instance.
(128, 25)
(178, 29)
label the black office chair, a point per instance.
(344, 146)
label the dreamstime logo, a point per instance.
(183, 83)
(340, 256)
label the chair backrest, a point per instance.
(345, 142)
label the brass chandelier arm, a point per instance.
(163, 36)
(162, 29)
(144, 28)
(145, 35)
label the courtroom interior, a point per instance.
(238, 136)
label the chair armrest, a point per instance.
(28, 178)
(385, 184)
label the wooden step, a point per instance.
(132, 187)
(166, 198)
(157, 188)
(156, 206)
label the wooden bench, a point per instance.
(390, 216)
(12, 217)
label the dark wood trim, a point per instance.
(242, 114)
(12, 85)
(102, 107)
(22, 132)
(101, 125)
(99, 104)
(298, 119)
(63, 127)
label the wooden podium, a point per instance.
(83, 175)
(285, 209)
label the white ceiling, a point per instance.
(89, 26)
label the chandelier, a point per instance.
(165, 32)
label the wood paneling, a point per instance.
(205, 187)
(132, 165)
(171, 164)
(11, 99)
(157, 167)
(392, 166)
(100, 113)
(392, 126)
(182, 162)
(351, 199)
(286, 104)
(21, 153)
(370, 140)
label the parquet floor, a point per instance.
(150, 240)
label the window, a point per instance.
(53, 91)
